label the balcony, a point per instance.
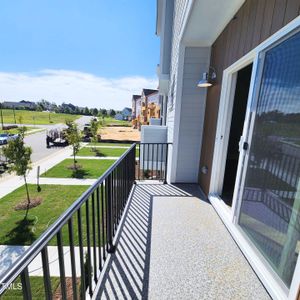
(144, 239)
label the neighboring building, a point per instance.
(146, 106)
(119, 117)
(239, 138)
(19, 105)
(126, 112)
(134, 105)
(144, 119)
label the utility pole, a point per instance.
(1, 115)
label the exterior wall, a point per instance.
(254, 22)
(153, 98)
(138, 107)
(133, 108)
(166, 36)
(191, 118)
(179, 11)
(180, 7)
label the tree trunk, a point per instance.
(74, 154)
(27, 192)
(28, 198)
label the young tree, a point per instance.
(87, 112)
(95, 112)
(95, 126)
(112, 113)
(18, 156)
(103, 112)
(73, 136)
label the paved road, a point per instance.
(37, 141)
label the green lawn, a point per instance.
(110, 144)
(15, 130)
(36, 117)
(55, 200)
(101, 152)
(111, 121)
(90, 168)
(37, 289)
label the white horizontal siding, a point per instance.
(191, 118)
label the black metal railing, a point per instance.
(152, 163)
(91, 223)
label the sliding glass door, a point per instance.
(269, 212)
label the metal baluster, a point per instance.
(166, 163)
(46, 271)
(139, 177)
(156, 171)
(161, 161)
(113, 203)
(122, 185)
(144, 161)
(81, 252)
(106, 212)
(61, 265)
(147, 170)
(94, 236)
(116, 196)
(110, 248)
(152, 158)
(103, 221)
(99, 228)
(26, 288)
(89, 260)
(72, 253)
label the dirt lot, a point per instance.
(120, 134)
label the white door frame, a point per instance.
(229, 216)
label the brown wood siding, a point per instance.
(255, 21)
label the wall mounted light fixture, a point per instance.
(208, 78)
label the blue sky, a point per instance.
(99, 39)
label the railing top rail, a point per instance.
(26, 258)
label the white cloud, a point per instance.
(82, 89)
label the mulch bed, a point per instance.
(33, 203)
(57, 294)
(75, 168)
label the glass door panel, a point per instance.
(270, 204)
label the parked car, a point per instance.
(6, 137)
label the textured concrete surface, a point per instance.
(172, 245)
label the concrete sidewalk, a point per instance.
(63, 181)
(9, 254)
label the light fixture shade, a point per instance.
(208, 78)
(204, 82)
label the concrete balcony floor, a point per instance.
(172, 245)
